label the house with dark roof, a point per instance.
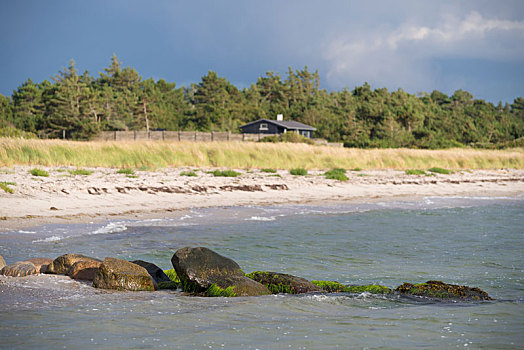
(279, 126)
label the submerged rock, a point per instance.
(283, 283)
(122, 275)
(84, 270)
(63, 263)
(41, 264)
(336, 287)
(154, 271)
(441, 290)
(203, 271)
(19, 269)
(2, 262)
(26, 267)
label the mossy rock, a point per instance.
(336, 287)
(200, 268)
(283, 283)
(2, 262)
(441, 290)
(123, 275)
(63, 263)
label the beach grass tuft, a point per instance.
(298, 172)
(126, 171)
(438, 170)
(336, 174)
(39, 172)
(225, 173)
(268, 170)
(188, 173)
(84, 172)
(415, 172)
(243, 155)
(5, 186)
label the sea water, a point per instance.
(469, 241)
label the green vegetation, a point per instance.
(4, 185)
(171, 273)
(120, 99)
(168, 285)
(84, 172)
(225, 173)
(290, 137)
(188, 173)
(135, 154)
(216, 291)
(39, 172)
(336, 174)
(356, 169)
(440, 171)
(298, 172)
(336, 287)
(126, 171)
(415, 172)
(268, 170)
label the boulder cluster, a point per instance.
(201, 271)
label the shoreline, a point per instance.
(106, 195)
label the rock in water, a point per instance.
(2, 262)
(201, 270)
(84, 270)
(19, 269)
(441, 290)
(26, 267)
(154, 271)
(63, 263)
(41, 264)
(122, 275)
(283, 283)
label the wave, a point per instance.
(48, 239)
(112, 227)
(261, 218)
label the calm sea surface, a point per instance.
(472, 241)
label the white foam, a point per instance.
(22, 231)
(112, 227)
(48, 239)
(261, 218)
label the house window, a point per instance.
(263, 126)
(305, 133)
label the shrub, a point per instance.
(272, 139)
(295, 138)
(188, 173)
(267, 170)
(336, 174)
(415, 172)
(4, 186)
(225, 173)
(298, 172)
(440, 171)
(10, 131)
(39, 172)
(126, 171)
(80, 172)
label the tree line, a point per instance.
(79, 106)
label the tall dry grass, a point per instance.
(241, 155)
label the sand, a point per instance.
(105, 194)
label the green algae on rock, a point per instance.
(199, 268)
(441, 290)
(283, 283)
(336, 287)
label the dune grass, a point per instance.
(244, 155)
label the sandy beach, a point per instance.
(105, 194)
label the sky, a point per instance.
(416, 45)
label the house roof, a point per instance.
(288, 124)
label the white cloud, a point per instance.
(403, 56)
